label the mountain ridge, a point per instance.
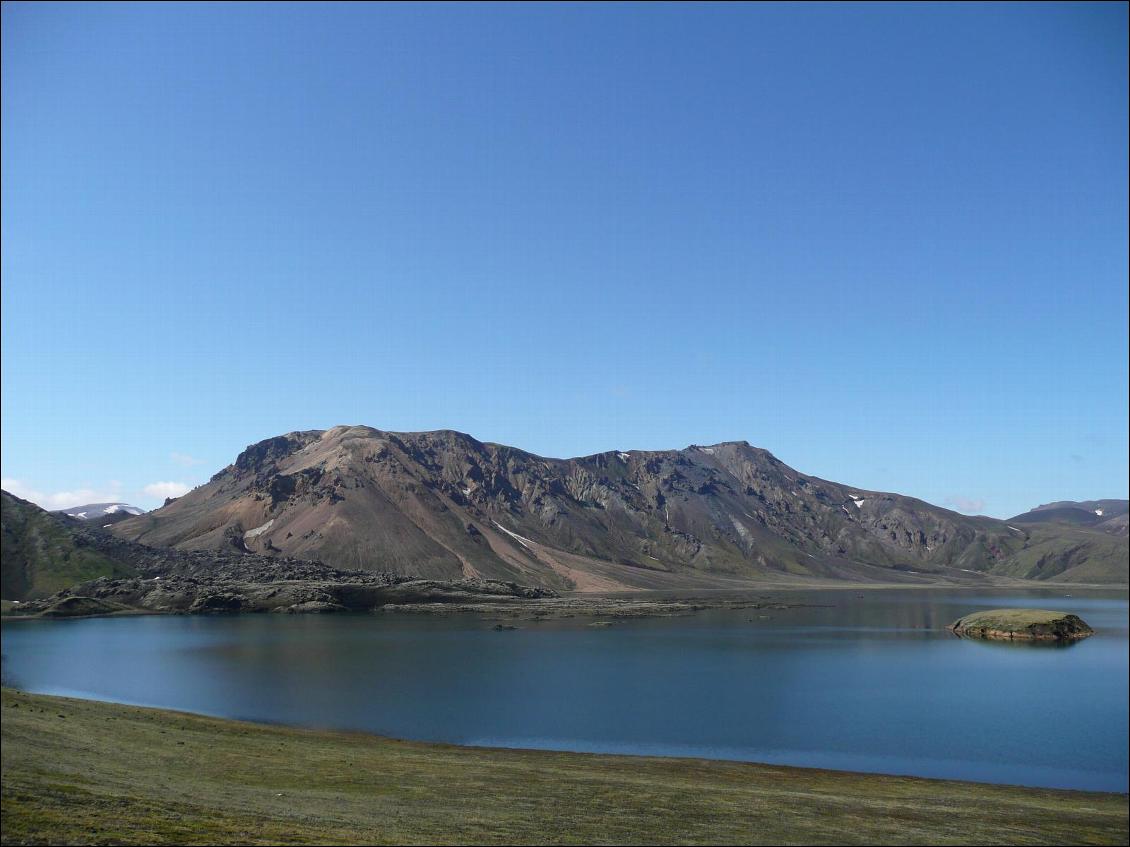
(1111, 516)
(441, 504)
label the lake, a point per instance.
(867, 681)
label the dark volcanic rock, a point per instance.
(76, 607)
(256, 584)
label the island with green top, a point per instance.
(1022, 625)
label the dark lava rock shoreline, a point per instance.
(319, 592)
(205, 582)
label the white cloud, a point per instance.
(161, 490)
(62, 499)
(184, 460)
(969, 505)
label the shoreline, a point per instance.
(634, 603)
(486, 748)
(129, 774)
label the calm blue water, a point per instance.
(872, 683)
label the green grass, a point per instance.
(1011, 620)
(84, 772)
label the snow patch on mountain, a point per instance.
(259, 530)
(525, 542)
(93, 511)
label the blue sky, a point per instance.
(887, 243)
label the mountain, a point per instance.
(1110, 516)
(103, 514)
(44, 552)
(443, 505)
(58, 566)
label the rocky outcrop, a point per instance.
(1022, 625)
(328, 590)
(78, 606)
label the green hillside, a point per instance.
(1064, 553)
(41, 554)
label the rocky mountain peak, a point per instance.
(443, 504)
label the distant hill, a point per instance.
(444, 505)
(43, 552)
(1109, 516)
(102, 514)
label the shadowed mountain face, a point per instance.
(443, 505)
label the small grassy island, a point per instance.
(1022, 625)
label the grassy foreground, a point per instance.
(78, 772)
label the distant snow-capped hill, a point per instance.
(102, 513)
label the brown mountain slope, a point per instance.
(441, 504)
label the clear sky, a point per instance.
(887, 243)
